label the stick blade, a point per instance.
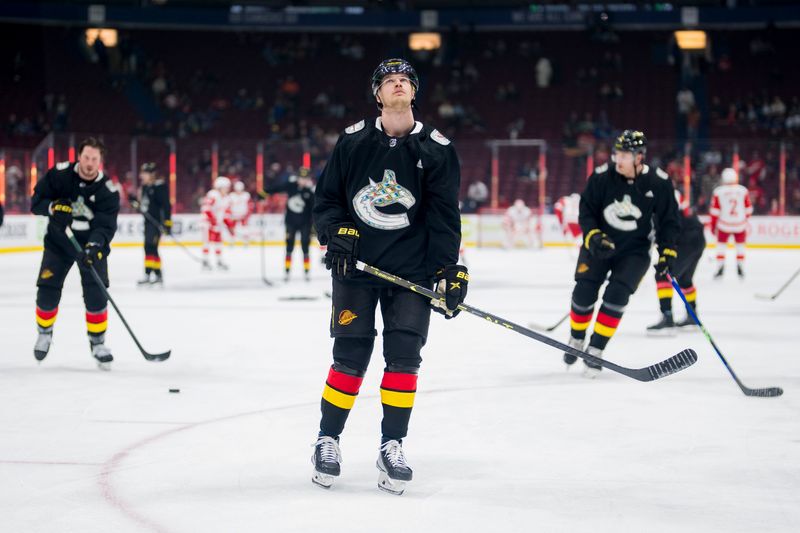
(157, 357)
(765, 297)
(769, 392)
(674, 364)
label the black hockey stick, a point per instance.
(147, 355)
(551, 328)
(768, 392)
(136, 205)
(767, 297)
(674, 364)
(264, 278)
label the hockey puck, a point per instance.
(174, 390)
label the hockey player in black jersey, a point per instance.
(300, 189)
(388, 197)
(79, 196)
(690, 246)
(153, 199)
(620, 207)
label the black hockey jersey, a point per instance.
(95, 205)
(401, 194)
(630, 210)
(155, 202)
(299, 203)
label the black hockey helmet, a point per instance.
(631, 141)
(394, 66)
(148, 167)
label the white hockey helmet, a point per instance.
(222, 183)
(238, 186)
(729, 176)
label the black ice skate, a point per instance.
(720, 272)
(394, 471)
(686, 323)
(221, 265)
(145, 280)
(740, 271)
(665, 326)
(326, 460)
(101, 352)
(43, 343)
(206, 265)
(570, 359)
(592, 370)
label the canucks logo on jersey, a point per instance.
(622, 215)
(385, 193)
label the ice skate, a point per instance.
(394, 471)
(686, 324)
(327, 459)
(740, 271)
(720, 272)
(206, 265)
(664, 327)
(570, 359)
(221, 265)
(101, 352)
(146, 280)
(43, 342)
(592, 370)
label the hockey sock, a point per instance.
(97, 322)
(740, 254)
(287, 262)
(151, 263)
(606, 324)
(721, 253)
(46, 318)
(579, 319)
(397, 397)
(338, 397)
(306, 263)
(664, 290)
(691, 295)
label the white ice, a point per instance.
(502, 438)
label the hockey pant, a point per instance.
(626, 272)
(52, 272)
(406, 317)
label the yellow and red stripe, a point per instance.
(288, 262)
(690, 293)
(306, 264)
(152, 261)
(578, 321)
(46, 318)
(606, 325)
(664, 289)
(341, 389)
(398, 389)
(97, 321)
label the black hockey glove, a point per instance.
(342, 252)
(167, 227)
(599, 244)
(134, 201)
(92, 253)
(451, 282)
(61, 213)
(666, 261)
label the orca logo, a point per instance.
(622, 215)
(387, 192)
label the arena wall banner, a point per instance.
(21, 233)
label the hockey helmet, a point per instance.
(631, 141)
(303, 172)
(222, 183)
(238, 186)
(148, 167)
(729, 177)
(394, 66)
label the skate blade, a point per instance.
(105, 367)
(591, 373)
(665, 332)
(392, 486)
(323, 480)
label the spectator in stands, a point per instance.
(544, 72)
(477, 195)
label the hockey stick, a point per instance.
(264, 278)
(149, 356)
(674, 364)
(766, 392)
(766, 297)
(551, 328)
(136, 205)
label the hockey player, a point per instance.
(300, 189)
(517, 223)
(153, 199)
(240, 210)
(78, 196)
(618, 209)
(566, 210)
(389, 197)
(690, 245)
(730, 211)
(215, 209)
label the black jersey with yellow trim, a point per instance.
(400, 192)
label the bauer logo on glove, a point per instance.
(451, 282)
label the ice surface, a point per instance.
(501, 439)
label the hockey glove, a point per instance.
(92, 253)
(451, 282)
(599, 244)
(167, 227)
(342, 252)
(61, 213)
(666, 261)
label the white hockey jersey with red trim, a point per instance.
(567, 209)
(518, 215)
(215, 208)
(730, 208)
(240, 205)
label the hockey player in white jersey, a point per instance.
(730, 212)
(240, 210)
(566, 210)
(215, 209)
(517, 223)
